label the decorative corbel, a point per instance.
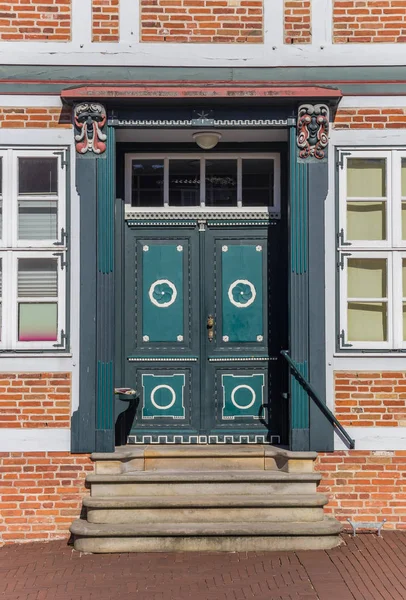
(313, 131)
(90, 119)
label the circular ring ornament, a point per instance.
(161, 387)
(242, 293)
(162, 293)
(245, 387)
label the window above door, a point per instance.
(205, 181)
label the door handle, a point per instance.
(210, 328)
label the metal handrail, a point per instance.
(313, 395)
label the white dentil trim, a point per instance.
(373, 102)
(21, 101)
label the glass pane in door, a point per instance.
(184, 182)
(147, 182)
(221, 182)
(257, 182)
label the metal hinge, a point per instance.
(341, 262)
(341, 340)
(341, 239)
(62, 256)
(64, 239)
(340, 161)
(64, 341)
(62, 154)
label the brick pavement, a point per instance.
(364, 568)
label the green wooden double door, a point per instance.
(204, 315)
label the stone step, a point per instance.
(229, 537)
(205, 509)
(197, 457)
(170, 483)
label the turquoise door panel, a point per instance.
(162, 292)
(242, 295)
(243, 396)
(163, 396)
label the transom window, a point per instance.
(32, 249)
(202, 180)
(372, 250)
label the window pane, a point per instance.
(1, 197)
(221, 182)
(367, 322)
(403, 220)
(37, 219)
(404, 321)
(257, 182)
(184, 182)
(367, 278)
(404, 278)
(37, 175)
(366, 220)
(147, 182)
(1, 298)
(37, 277)
(37, 322)
(404, 177)
(366, 178)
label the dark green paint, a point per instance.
(105, 395)
(106, 192)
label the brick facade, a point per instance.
(365, 486)
(297, 22)
(370, 118)
(369, 21)
(371, 399)
(35, 400)
(40, 494)
(35, 117)
(46, 20)
(202, 21)
(105, 20)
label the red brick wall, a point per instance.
(297, 22)
(369, 21)
(40, 494)
(370, 118)
(202, 21)
(365, 486)
(368, 399)
(16, 118)
(35, 20)
(105, 20)
(35, 400)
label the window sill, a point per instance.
(371, 354)
(34, 354)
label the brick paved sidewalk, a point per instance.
(364, 568)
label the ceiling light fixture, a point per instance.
(207, 140)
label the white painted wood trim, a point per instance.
(322, 22)
(373, 102)
(273, 26)
(35, 440)
(34, 101)
(130, 23)
(374, 438)
(81, 24)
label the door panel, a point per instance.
(194, 386)
(162, 333)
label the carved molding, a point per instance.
(313, 131)
(90, 119)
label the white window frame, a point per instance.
(393, 249)
(362, 345)
(343, 199)
(202, 156)
(11, 249)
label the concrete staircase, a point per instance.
(219, 498)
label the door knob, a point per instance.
(210, 328)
